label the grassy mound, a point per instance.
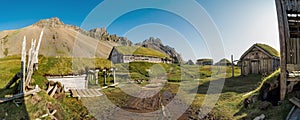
(35, 106)
(67, 66)
(274, 112)
(135, 50)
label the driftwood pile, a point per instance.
(55, 89)
(26, 73)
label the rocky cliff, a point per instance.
(156, 43)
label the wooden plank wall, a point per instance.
(294, 51)
(292, 5)
(288, 12)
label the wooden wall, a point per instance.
(288, 13)
(258, 62)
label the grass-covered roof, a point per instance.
(137, 50)
(268, 49)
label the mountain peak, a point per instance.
(156, 44)
(51, 22)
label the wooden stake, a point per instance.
(23, 68)
(232, 66)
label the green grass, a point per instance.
(67, 66)
(269, 49)
(9, 66)
(273, 113)
(135, 50)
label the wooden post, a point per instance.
(232, 66)
(114, 74)
(36, 53)
(87, 81)
(283, 36)
(23, 68)
(104, 72)
(96, 77)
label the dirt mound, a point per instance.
(150, 104)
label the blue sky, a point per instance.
(241, 23)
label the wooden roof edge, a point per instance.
(255, 45)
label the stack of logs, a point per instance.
(55, 89)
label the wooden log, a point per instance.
(49, 89)
(295, 101)
(53, 91)
(20, 95)
(296, 79)
(74, 93)
(51, 115)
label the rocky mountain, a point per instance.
(61, 40)
(156, 43)
(102, 34)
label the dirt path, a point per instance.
(160, 106)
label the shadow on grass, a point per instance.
(241, 84)
(15, 109)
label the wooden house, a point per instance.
(127, 54)
(223, 62)
(288, 13)
(204, 62)
(260, 59)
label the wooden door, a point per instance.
(254, 67)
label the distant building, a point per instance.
(223, 62)
(205, 62)
(260, 59)
(127, 54)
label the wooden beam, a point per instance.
(53, 91)
(20, 95)
(295, 101)
(282, 25)
(296, 79)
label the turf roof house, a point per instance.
(260, 59)
(126, 54)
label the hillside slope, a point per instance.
(59, 40)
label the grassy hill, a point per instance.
(135, 50)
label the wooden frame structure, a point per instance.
(26, 72)
(288, 13)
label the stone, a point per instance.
(261, 117)
(264, 105)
